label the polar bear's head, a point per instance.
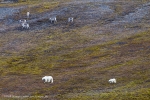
(44, 79)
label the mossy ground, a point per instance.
(81, 68)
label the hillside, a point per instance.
(108, 39)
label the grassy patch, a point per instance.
(81, 69)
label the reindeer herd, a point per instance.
(25, 25)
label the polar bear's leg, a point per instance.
(51, 80)
(48, 79)
(44, 80)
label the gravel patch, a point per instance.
(89, 1)
(137, 15)
(84, 12)
(7, 12)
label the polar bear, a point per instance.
(47, 79)
(113, 80)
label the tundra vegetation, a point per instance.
(81, 56)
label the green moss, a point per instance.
(79, 67)
(141, 94)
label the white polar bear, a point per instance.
(47, 79)
(113, 80)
